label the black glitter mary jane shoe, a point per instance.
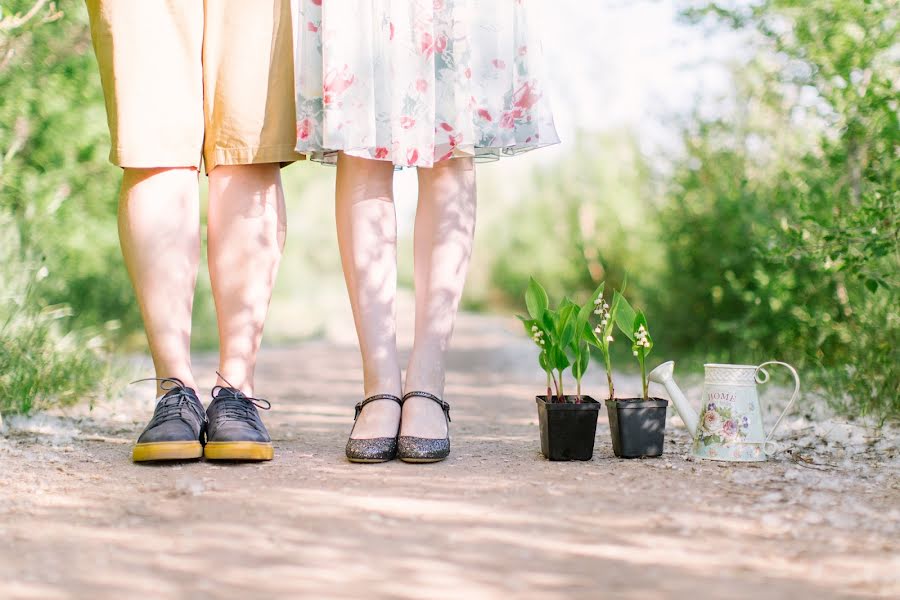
(372, 450)
(424, 450)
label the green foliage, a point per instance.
(586, 220)
(561, 336)
(782, 225)
(56, 182)
(57, 211)
(42, 361)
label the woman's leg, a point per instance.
(159, 232)
(246, 232)
(367, 235)
(445, 225)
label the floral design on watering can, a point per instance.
(730, 425)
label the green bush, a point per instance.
(56, 181)
(782, 228)
(64, 289)
(43, 362)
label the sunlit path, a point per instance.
(79, 520)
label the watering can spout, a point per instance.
(663, 376)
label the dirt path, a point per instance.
(79, 520)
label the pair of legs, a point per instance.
(159, 230)
(367, 235)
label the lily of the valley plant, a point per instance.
(634, 325)
(565, 335)
(560, 336)
(601, 336)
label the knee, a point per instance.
(463, 163)
(366, 178)
(453, 176)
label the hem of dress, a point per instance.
(481, 154)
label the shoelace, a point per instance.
(235, 403)
(172, 406)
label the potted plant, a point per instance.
(637, 425)
(568, 423)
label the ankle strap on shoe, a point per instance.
(432, 397)
(360, 405)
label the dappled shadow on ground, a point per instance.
(78, 519)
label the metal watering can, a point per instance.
(730, 425)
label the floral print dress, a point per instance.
(418, 81)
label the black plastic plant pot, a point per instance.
(568, 428)
(637, 426)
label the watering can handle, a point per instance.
(764, 379)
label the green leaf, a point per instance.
(566, 325)
(872, 285)
(542, 360)
(582, 360)
(565, 303)
(589, 336)
(558, 359)
(625, 315)
(528, 323)
(536, 299)
(548, 320)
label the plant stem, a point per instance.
(578, 390)
(556, 385)
(562, 394)
(609, 379)
(643, 372)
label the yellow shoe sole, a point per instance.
(239, 451)
(166, 451)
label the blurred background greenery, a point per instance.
(769, 228)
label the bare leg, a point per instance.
(367, 235)
(445, 225)
(159, 231)
(246, 231)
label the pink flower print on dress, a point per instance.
(525, 97)
(421, 85)
(441, 44)
(427, 45)
(407, 122)
(507, 121)
(310, 26)
(381, 152)
(412, 155)
(336, 82)
(303, 128)
(498, 63)
(484, 114)
(446, 126)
